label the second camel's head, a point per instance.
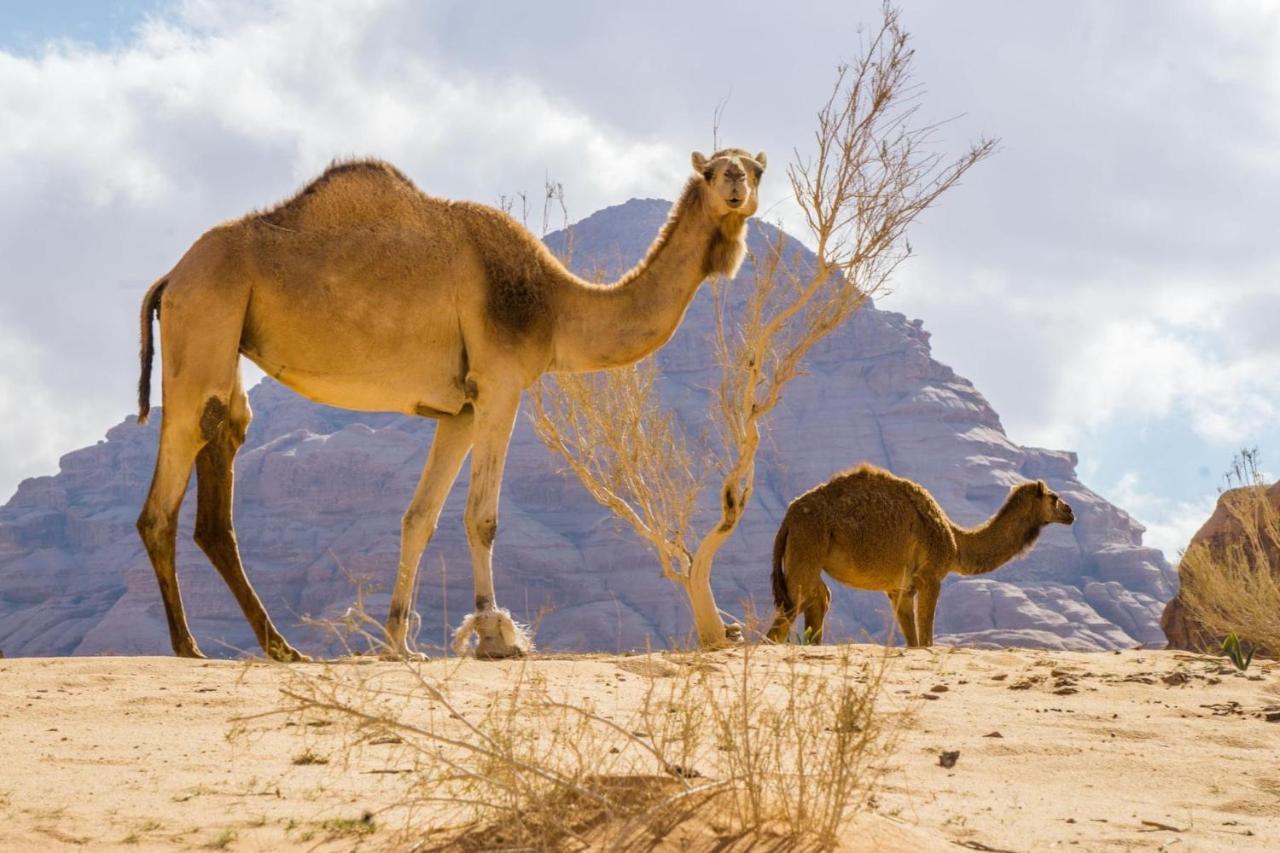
(1048, 507)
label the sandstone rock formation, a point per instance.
(1179, 625)
(320, 492)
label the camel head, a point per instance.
(727, 182)
(730, 179)
(1048, 507)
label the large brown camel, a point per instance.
(871, 530)
(365, 293)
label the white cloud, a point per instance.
(1060, 366)
(112, 161)
(36, 423)
(1170, 523)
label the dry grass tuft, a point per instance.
(719, 749)
(1231, 580)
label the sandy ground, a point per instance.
(1109, 751)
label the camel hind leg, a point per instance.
(802, 561)
(201, 322)
(816, 605)
(215, 531)
(158, 522)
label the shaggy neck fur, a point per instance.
(1010, 532)
(602, 326)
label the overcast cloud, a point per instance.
(1109, 280)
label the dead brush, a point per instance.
(1231, 581)
(714, 748)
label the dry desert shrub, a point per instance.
(1231, 580)
(717, 750)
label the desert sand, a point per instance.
(1101, 751)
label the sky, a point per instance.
(1110, 279)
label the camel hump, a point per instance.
(346, 192)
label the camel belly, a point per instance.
(870, 576)
(867, 562)
(360, 319)
(377, 352)
(413, 393)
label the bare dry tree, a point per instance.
(872, 172)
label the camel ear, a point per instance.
(1041, 488)
(699, 161)
(756, 164)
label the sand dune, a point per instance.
(1102, 751)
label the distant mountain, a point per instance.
(320, 491)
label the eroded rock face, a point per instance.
(320, 491)
(1181, 627)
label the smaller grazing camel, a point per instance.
(871, 530)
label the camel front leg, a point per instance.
(448, 450)
(926, 604)
(903, 601)
(499, 636)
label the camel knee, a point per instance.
(482, 528)
(417, 522)
(211, 533)
(156, 530)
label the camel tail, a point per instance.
(781, 595)
(150, 308)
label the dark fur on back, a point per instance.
(781, 595)
(147, 350)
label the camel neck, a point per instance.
(1004, 536)
(610, 325)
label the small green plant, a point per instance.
(1234, 648)
(224, 840)
(345, 826)
(806, 637)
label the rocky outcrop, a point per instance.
(1181, 627)
(319, 494)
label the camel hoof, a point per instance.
(498, 636)
(493, 649)
(189, 649)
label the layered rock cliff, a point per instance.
(319, 493)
